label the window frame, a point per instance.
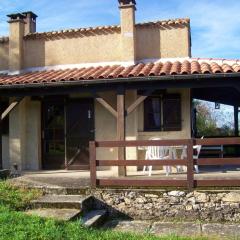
(163, 126)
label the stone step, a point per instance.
(94, 218)
(55, 213)
(63, 201)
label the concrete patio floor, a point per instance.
(81, 179)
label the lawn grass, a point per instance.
(17, 225)
(16, 198)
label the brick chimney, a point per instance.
(128, 32)
(16, 34)
(30, 22)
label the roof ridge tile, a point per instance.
(105, 27)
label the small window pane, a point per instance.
(152, 113)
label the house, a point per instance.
(61, 89)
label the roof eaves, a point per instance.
(196, 77)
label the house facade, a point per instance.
(134, 81)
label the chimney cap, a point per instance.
(30, 14)
(127, 2)
(16, 16)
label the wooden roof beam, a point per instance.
(107, 106)
(10, 108)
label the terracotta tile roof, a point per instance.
(159, 68)
(105, 29)
(169, 22)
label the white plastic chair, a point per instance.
(195, 155)
(156, 153)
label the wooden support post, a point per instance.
(93, 168)
(190, 164)
(107, 106)
(236, 125)
(121, 128)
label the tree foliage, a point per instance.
(207, 121)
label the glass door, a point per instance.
(68, 126)
(53, 134)
(80, 130)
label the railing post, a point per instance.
(190, 172)
(93, 167)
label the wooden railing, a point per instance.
(189, 183)
(226, 182)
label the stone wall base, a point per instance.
(207, 206)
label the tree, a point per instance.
(208, 121)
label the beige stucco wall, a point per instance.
(4, 53)
(33, 135)
(151, 43)
(75, 50)
(24, 135)
(17, 135)
(155, 42)
(105, 126)
(5, 152)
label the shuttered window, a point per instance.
(162, 113)
(172, 113)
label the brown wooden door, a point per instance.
(79, 131)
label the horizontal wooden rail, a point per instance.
(217, 183)
(143, 143)
(159, 162)
(119, 182)
(190, 182)
(217, 161)
(217, 141)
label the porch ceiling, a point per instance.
(226, 95)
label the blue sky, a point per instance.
(215, 24)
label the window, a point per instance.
(152, 113)
(162, 113)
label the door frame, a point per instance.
(65, 99)
(91, 102)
